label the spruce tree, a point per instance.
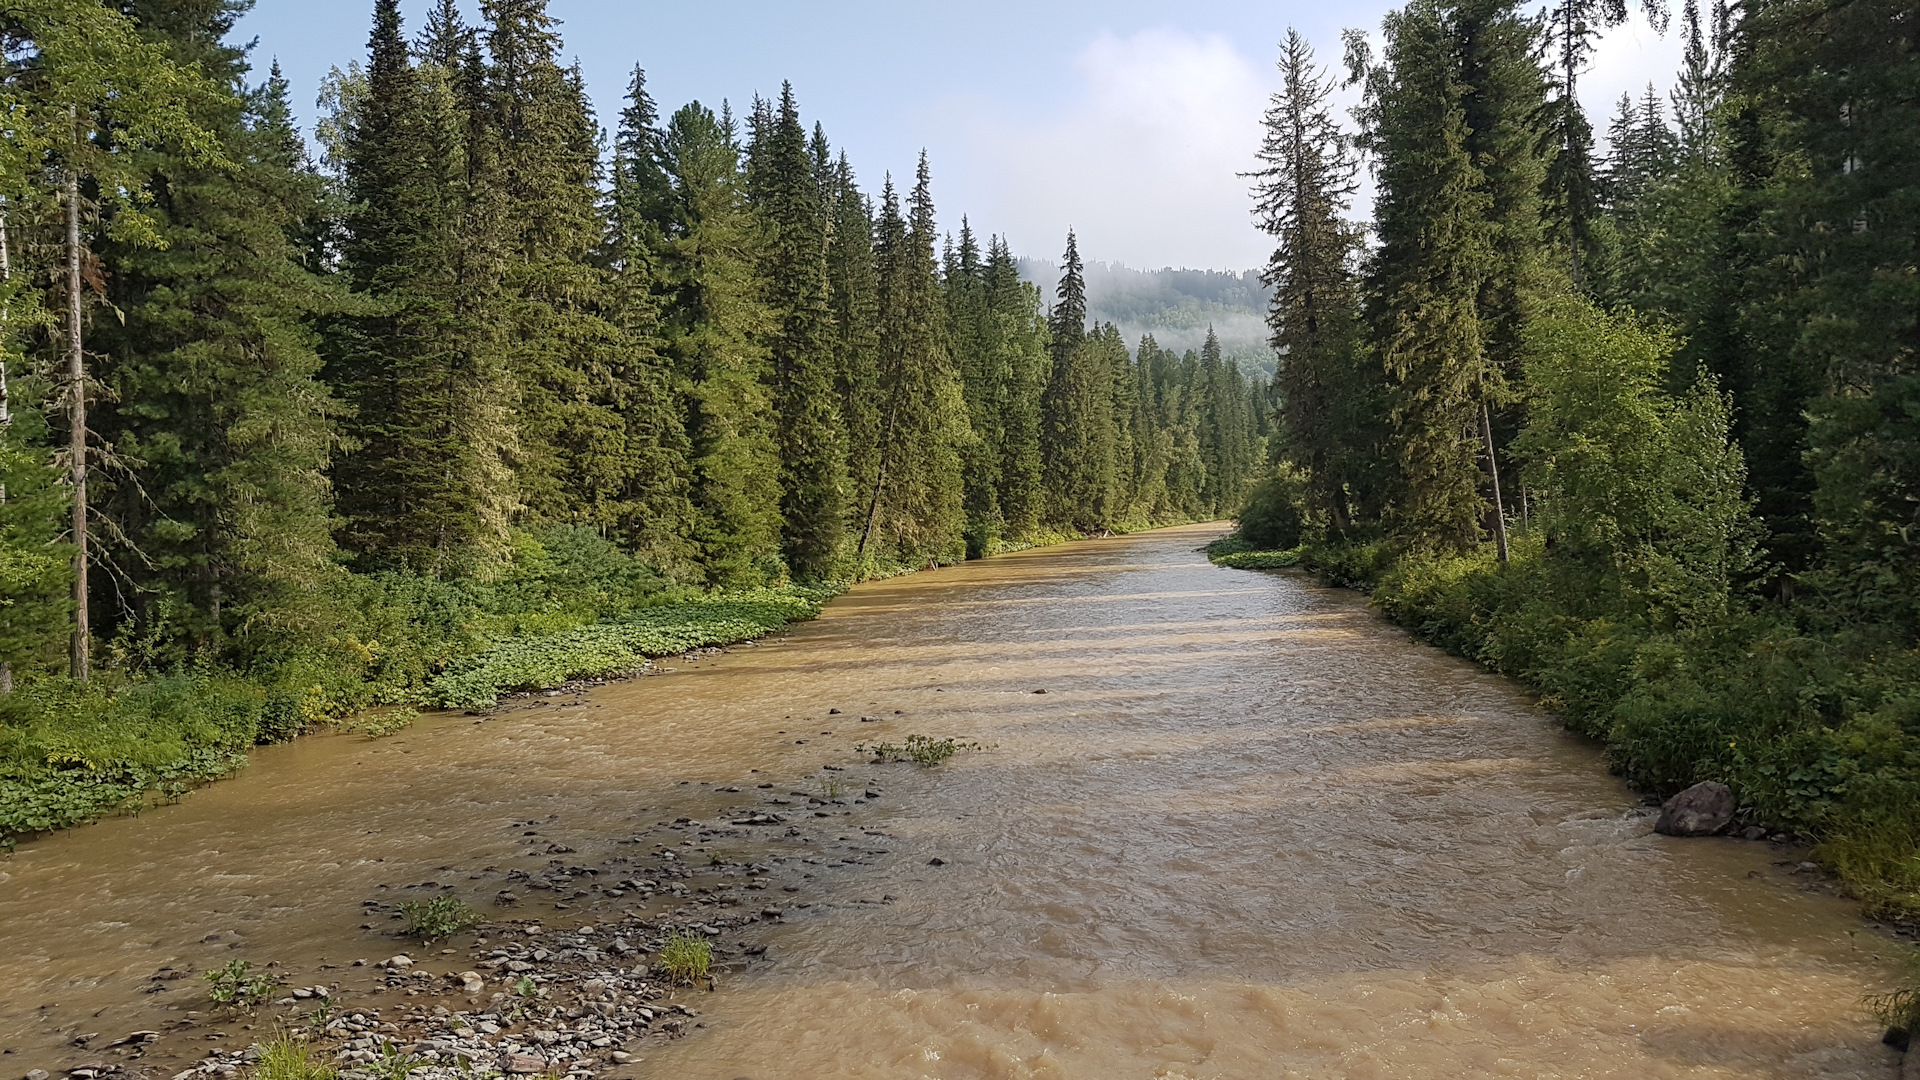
(1077, 431)
(813, 451)
(1019, 345)
(1425, 279)
(915, 510)
(715, 323)
(217, 410)
(853, 284)
(1324, 389)
(426, 480)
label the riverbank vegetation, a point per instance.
(1640, 429)
(466, 401)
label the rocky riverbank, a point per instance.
(563, 978)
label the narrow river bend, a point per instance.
(1249, 830)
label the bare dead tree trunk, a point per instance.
(6, 401)
(1493, 470)
(77, 448)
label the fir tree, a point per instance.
(813, 452)
(714, 323)
(1425, 278)
(217, 408)
(1302, 194)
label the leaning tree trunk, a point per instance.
(1493, 470)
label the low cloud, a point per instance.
(1140, 159)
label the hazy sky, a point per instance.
(1125, 119)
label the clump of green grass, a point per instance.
(233, 986)
(920, 749)
(833, 788)
(686, 957)
(440, 917)
(1901, 1008)
(285, 1057)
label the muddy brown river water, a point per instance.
(1248, 830)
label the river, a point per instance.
(1223, 824)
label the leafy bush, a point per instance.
(1259, 560)
(438, 918)
(1275, 516)
(234, 987)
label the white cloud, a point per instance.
(1140, 159)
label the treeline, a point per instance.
(1642, 428)
(475, 318)
(478, 395)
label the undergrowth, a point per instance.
(570, 605)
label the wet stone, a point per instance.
(1702, 810)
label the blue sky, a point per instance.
(1126, 120)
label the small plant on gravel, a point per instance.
(285, 1057)
(440, 917)
(686, 957)
(920, 749)
(233, 987)
(393, 1063)
(833, 788)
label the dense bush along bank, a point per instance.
(462, 399)
(1641, 429)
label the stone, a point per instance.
(38, 1074)
(1753, 832)
(397, 963)
(471, 982)
(1702, 810)
(523, 1064)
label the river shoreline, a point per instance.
(1237, 813)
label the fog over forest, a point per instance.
(1175, 306)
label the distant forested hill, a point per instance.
(1175, 306)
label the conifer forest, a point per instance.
(709, 571)
(453, 400)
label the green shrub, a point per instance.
(437, 918)
(919, 749)
(1275, 516)
(235, 987)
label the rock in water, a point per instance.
(1701, 810)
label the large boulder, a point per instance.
(1701, 810)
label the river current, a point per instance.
(1223, 824)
